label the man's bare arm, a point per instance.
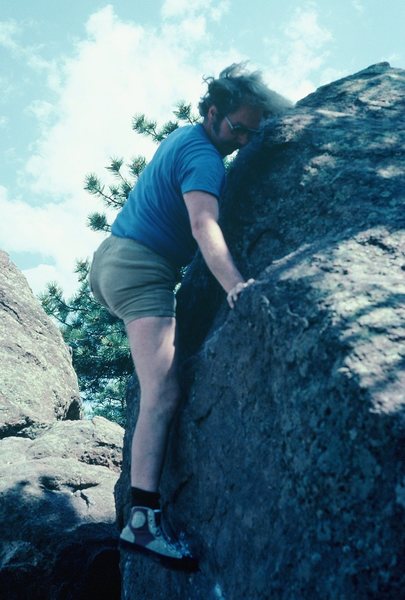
(203, 212)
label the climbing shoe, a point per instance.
(144, 534)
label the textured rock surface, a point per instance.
(56, 496)
(285, 465)
(57, 473)
(37, 382)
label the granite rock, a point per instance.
(37, 381)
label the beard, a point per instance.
(216, 125)
(224, 147)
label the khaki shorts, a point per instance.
(132, 281)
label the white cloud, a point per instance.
(12, 39)
(7, 89)
(40, 276)
(298, 59)
(8, 31)
(217, 12)
(184, 8)
(119, 70)
(189, 20)
(51, 229)
(41, 109)
(305, 30)
(358, 6)
(190, 30)
(178, 8)
(393, 59)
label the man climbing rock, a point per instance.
(173, 209)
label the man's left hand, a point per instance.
(233, 294)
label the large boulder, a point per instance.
(285, 463)
(57, 472)
(37, 382)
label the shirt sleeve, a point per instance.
(203, 172)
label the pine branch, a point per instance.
(183, 113)
(137, 165)
(115, 168)
(98, 222)
(141, 124)
(93, 186)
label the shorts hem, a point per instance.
(149, 313)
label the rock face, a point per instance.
(285, 463)
(37, 382)
(57, 473)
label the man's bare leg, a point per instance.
(152, 342)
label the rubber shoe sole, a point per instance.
(187, 563)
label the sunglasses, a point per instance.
(241, 129)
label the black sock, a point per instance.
(144, 498)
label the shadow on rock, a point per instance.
(47, 553)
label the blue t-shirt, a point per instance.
(155, 213)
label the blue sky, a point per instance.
(73, 74)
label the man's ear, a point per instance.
(212, 112)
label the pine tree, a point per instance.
(99, 346)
